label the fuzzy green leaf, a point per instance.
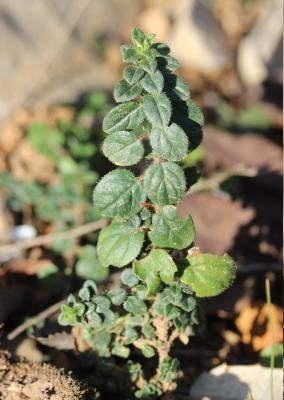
(169, 142)
(148, 351)
(124, 116)
(176, 88)
(133, 74)
(153, 83)
(119, 243)
(168, 62)
(149, 65)
(128, 277)
(117, 295)
(118, 194)
(134, 305)
(162, 49)
(195, 113)
(164, 183)
(129, 54)
(158, 109)
(137, 35)
(123, 91)
(169, 231)
(123, 148)
(209, 275)
(156, 267)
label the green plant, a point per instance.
(157, 301)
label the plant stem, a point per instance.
(269, 314)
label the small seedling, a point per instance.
(155, 124)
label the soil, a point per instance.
(22, 380)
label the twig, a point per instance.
(34, 320)
(214, 181)
(51, 237)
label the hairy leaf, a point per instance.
(169, 231)
(133, 74)
(158, 109)
(149, 65)
(195, 113)
(134, 305)
(129, 54)
(169, 142)
(128, 277)
(117, 295)
(118, 194)
(164, 183)
(124, 116)
(156, 267)
(119, 243)
(153, 83)
(123, 148)
(209, 275)
(123, 91)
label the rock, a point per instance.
(197, 39)
(257, 49)
(234, 383)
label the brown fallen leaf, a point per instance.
(29, 166)
(254, 327)
(226, 150)
(59, 341)
(211, 211)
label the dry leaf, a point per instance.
(254, 327)
(60, 341)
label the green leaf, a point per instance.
(118, 194)
(158, 109)
(134, 305)
(123, 148)
(119, 243)
(128, 53)
(149, 331)
(128, 115)
(138, 36)
(103, 304)
(121, 351)
(157, 266)
(123, 91)
(168, 62)
(153, 83)
(169, 142)
(88, 290)
(169, 368)
(149, 65)
(162, 48)
(117, 295)
(130, 335)
(128, 277)
(170, 231)
(176, 88)
(148, 351)
(209, 275)
(142, 291)
(276, 351)
(195, 113)
(133, 74)
(164, 183)
(88, 265)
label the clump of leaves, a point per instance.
(158, 299)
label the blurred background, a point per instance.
(60, 60)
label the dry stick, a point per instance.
(214, 181)
(37, 318)
(51, 237)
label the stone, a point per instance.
(237, 382)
